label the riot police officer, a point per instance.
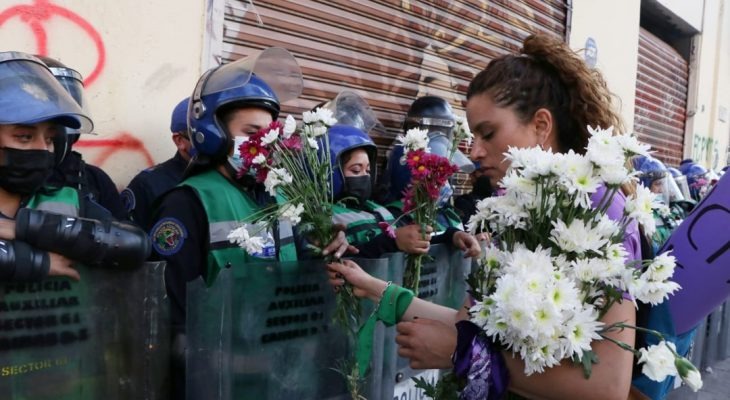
(94, 184)
(149, 184)
(40, 227)
(696, 178)
(435, 115)
(229, 103)
(655, 176)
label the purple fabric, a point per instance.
(701, 245)
(615, 211)
(482, 366)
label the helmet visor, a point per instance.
(276, 66)
(351, 109)
(683, 186)
(30, 94)
(441, 145)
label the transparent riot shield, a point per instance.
(104, 337)
(265, 331)
(443, 281)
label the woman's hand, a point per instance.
(62, 266)
(427, 343)
(409, 239)
(363, 284)
(339, 245)
(467, 243)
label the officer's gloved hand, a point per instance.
(108, 243)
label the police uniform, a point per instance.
(92, 182)
(150, 184)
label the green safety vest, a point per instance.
(227, 207)
(361, 225)
(66, 363)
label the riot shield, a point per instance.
(265, 331)
(443, 281)
(102, 337)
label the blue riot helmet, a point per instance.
(435, 115)
(30, 94)
(674, 172)
(72, 82)
(432, 113)
(696, 176)
(650, 169)
(261, 81)
(653, 174)
(343, 139)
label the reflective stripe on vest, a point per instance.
(227, 207)
(361, 225)
(64, 201)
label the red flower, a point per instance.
(293, 143)
(387, 229)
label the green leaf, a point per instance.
(589, 358)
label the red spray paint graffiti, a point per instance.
(125, 141)
(36, 15)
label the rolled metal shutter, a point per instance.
(661, 98)
(388, 51)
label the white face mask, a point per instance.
(235, 160)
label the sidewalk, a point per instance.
(716, 385)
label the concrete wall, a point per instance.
(617, 45)
(140, 58)
(708, 127)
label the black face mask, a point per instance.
(24, 171)
(358, 187)
(482, 187)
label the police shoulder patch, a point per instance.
(168, 236)
(128, 199)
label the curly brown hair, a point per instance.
(548, 74)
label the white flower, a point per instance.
(632, 146)
(479, 313)
(318, 130)
(290, 126)
(293, 213)
(533, 162)
(658, 361)
(652, 292)
(241, 237)
(661, 267)
(313, 143)
(614, 175)
(259, 159)
(270, 136)
(276, 177)
(688, 373)
(639, 206)
(415, 139)
(578, 237)
(324, 115)
(581, 330)
(604, 149)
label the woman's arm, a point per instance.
(610, 377)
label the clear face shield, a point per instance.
(683, 186)
(440, 144)
(351, 109)
(675, 193)
(29, 94)
(660, 187)
(275, 66)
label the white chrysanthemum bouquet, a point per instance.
(559, 263)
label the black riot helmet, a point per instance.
(432, 113)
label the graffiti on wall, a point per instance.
(36, 15)
(706, 150)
